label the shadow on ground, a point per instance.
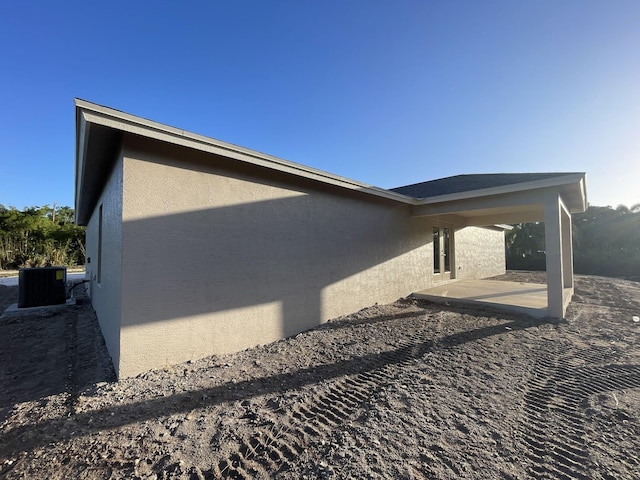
(75, 359)
(49, 352)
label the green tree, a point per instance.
(40, 236)
(606, 241)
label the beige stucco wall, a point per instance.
(204, 255)
(480, 253)
(219, 257)
(105, 294)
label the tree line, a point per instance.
(40, 237)
(606, 241)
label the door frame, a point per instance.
(443, 267)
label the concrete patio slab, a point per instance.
(527, 298)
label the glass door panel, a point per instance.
(446, 249)
(436, 249)
(442, 253)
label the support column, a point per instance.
(554, 258)
(567, 251)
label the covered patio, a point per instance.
(487, 200)
(526, 298)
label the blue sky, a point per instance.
(384, 92)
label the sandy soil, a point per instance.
(407, 390)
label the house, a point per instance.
(198, 247)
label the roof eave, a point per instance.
(80, 149)
(563, 180)
(88, 114)
(96, 121)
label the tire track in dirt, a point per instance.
(555, 408)
(292, 429)
(287, 431)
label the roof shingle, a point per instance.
(467, 183)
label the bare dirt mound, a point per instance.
(407, 390)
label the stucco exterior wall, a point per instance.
(480, 253)
(104, 287)
(219, 256)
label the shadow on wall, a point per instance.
(305, 257)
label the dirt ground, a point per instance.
(406, 390)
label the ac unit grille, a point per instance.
(42, 286)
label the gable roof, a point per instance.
(99, 132)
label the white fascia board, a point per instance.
(510, 188)
(125, 122)
(81, 147)
(583, 193)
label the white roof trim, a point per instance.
(561, 179)
(100, 115)
(88, 114)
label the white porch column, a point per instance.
(553, 246)
(567, 253)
